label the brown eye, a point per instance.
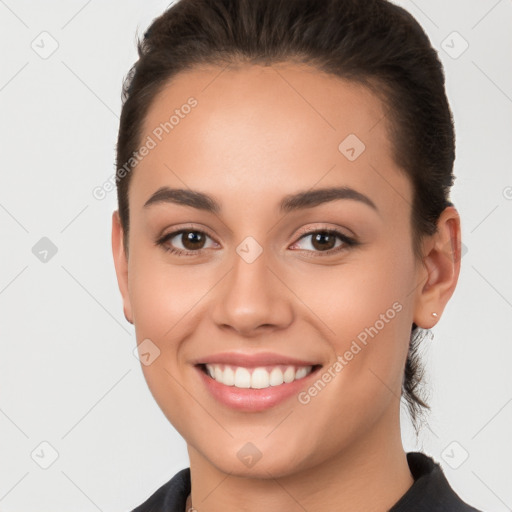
(186, 242)
(323, 240)
(192, 239)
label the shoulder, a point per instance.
(430, 490)
(171, 496)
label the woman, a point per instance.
(284, 236)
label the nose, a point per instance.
(253, 298)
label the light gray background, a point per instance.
(68, 375)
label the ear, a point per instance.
(121, 264)
(439, 270)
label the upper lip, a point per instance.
(253, 360)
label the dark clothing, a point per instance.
(430, 491)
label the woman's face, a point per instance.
(259, 282)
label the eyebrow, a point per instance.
(291, 202)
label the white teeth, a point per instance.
(228, 377)
(276, 377)
(301, 372)
(289, 374)
(242, 378)
(260, 378)
(257, 378)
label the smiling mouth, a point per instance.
(260, 377)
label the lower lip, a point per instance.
(252, 400)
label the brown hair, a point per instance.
(371, 42)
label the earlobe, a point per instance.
(440, 272)
(121, 264)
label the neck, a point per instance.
(371, 475)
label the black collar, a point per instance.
(430, 491)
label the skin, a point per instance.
(258, 134)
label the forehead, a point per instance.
(288, 121)
(279, 95)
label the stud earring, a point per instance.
(435, 314)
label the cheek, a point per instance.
(167, 300)
(163, 294)
(368, 319)
(163, 299)
(365, 308)
(368, 288)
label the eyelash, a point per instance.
(347, 242)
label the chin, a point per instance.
(247, 461)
